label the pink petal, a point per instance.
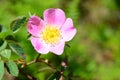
(54, 17)
(68, 30)
(39, 46)
(35, 24)
(58, 48)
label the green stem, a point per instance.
(37, 58)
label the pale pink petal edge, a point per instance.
(35, 24)
(68, 30)
(39, 46)
(58, 49)
(54, 17)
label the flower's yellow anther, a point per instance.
(51, 35)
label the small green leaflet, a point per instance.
(3, 46)
(1, 69)
(6, 53)
(16, 24)
(55, 76)
(12, 68)
(17, 49)
(1, 27)
(10, 37)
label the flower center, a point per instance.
(51, 35)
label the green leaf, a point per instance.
(1, 28)
(3, 34)
(1, 69)
(6, 53)
(55, 76)
(1, 41)
(3, 44)
(16, 24)
(17, 49)
(10, 37)
(12, 68)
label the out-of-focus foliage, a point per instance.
(12, 68)
(94, 53)
(2, 69)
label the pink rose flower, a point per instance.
(50, 34)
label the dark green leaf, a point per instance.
(55, 76)
(1, 41)
(16, 24)
(6, 53)
(10, 37)
(1, 69)
(0, 27)
(3, 44)
(17, 49)
(5, 33)
(12, 68)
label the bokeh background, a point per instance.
(94, 53)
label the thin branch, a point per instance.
(41, 60)
(31, 62)
(47, 63)
(30, 77)
(34, 61)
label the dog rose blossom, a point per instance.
(50, 34)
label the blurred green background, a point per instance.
(95, 50)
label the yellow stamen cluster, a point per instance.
(51, 34)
